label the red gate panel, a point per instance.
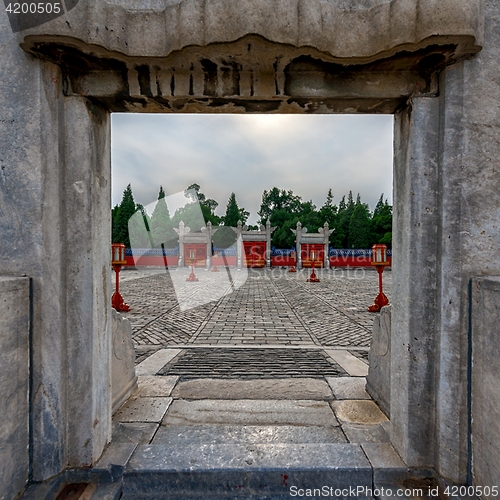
(255, 253)
(199, 250)
(307, 251)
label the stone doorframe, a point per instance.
(298, 56)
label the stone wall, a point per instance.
(378, 381)
(485, 381)
(392, 56)
(123, 378)
(14, 385)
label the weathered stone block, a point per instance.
(229, 471)
(378, 382)
(358, 412)
(289, 388)
(250, 412)
(485, 386)
(348, 387)
(124, 379)
(14, 384)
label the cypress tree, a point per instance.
(382, 222)
(139, 229)
(120, 217)
(160, 221)
(359, 227)
(344, 218)
(328, 213)
(233, 212)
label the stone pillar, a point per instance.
(298, 244)
(470, 239)
(208, 233)
(457, 135)
(56, 195)
(414, 343)
(327, 232)
(180, 232)
(87, 254)
(269, 232)
(239, 245)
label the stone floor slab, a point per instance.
(179, 435)
(359, 433)
(133, 432)
(116, 454)
(387, 464)
(250, 412)
(288, 388)
(153, 386)
(155, 362)
(358, 412)
(143, 410)
(348, 387)
(351, 364)
(261, 471)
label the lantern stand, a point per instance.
(293, 255)
(313, 278)
(117, 261)
(215, 269)
(192, 258)
(379, 260)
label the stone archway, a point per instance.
(377, 56)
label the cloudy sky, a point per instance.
(249, 153)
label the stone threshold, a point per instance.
(253, 472)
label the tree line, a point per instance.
(354, 225)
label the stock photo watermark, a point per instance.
(30, 14)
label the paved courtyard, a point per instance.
(251, 371)
(272, 308)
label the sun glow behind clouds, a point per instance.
(249, 153)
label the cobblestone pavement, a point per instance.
(271, 308)
(247, 364)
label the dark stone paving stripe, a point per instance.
(252, 364)
(360, 354)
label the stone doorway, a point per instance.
(238, 369)
(411, 65)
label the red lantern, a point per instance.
(192, 259)
(117, 261)
(313, 278)
(379, 260)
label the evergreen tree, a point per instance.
(278, 199)
(343, 221)
(161, 225)
(284, 222)
(207, 206)
(338, 235)
(360, 227)
(234, 213)
(139, 229)
(328, 213)
(282, 208)
(120, 217)
(382, 222)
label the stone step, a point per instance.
(184, 435)
(234, 471)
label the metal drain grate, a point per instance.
(252, 364)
